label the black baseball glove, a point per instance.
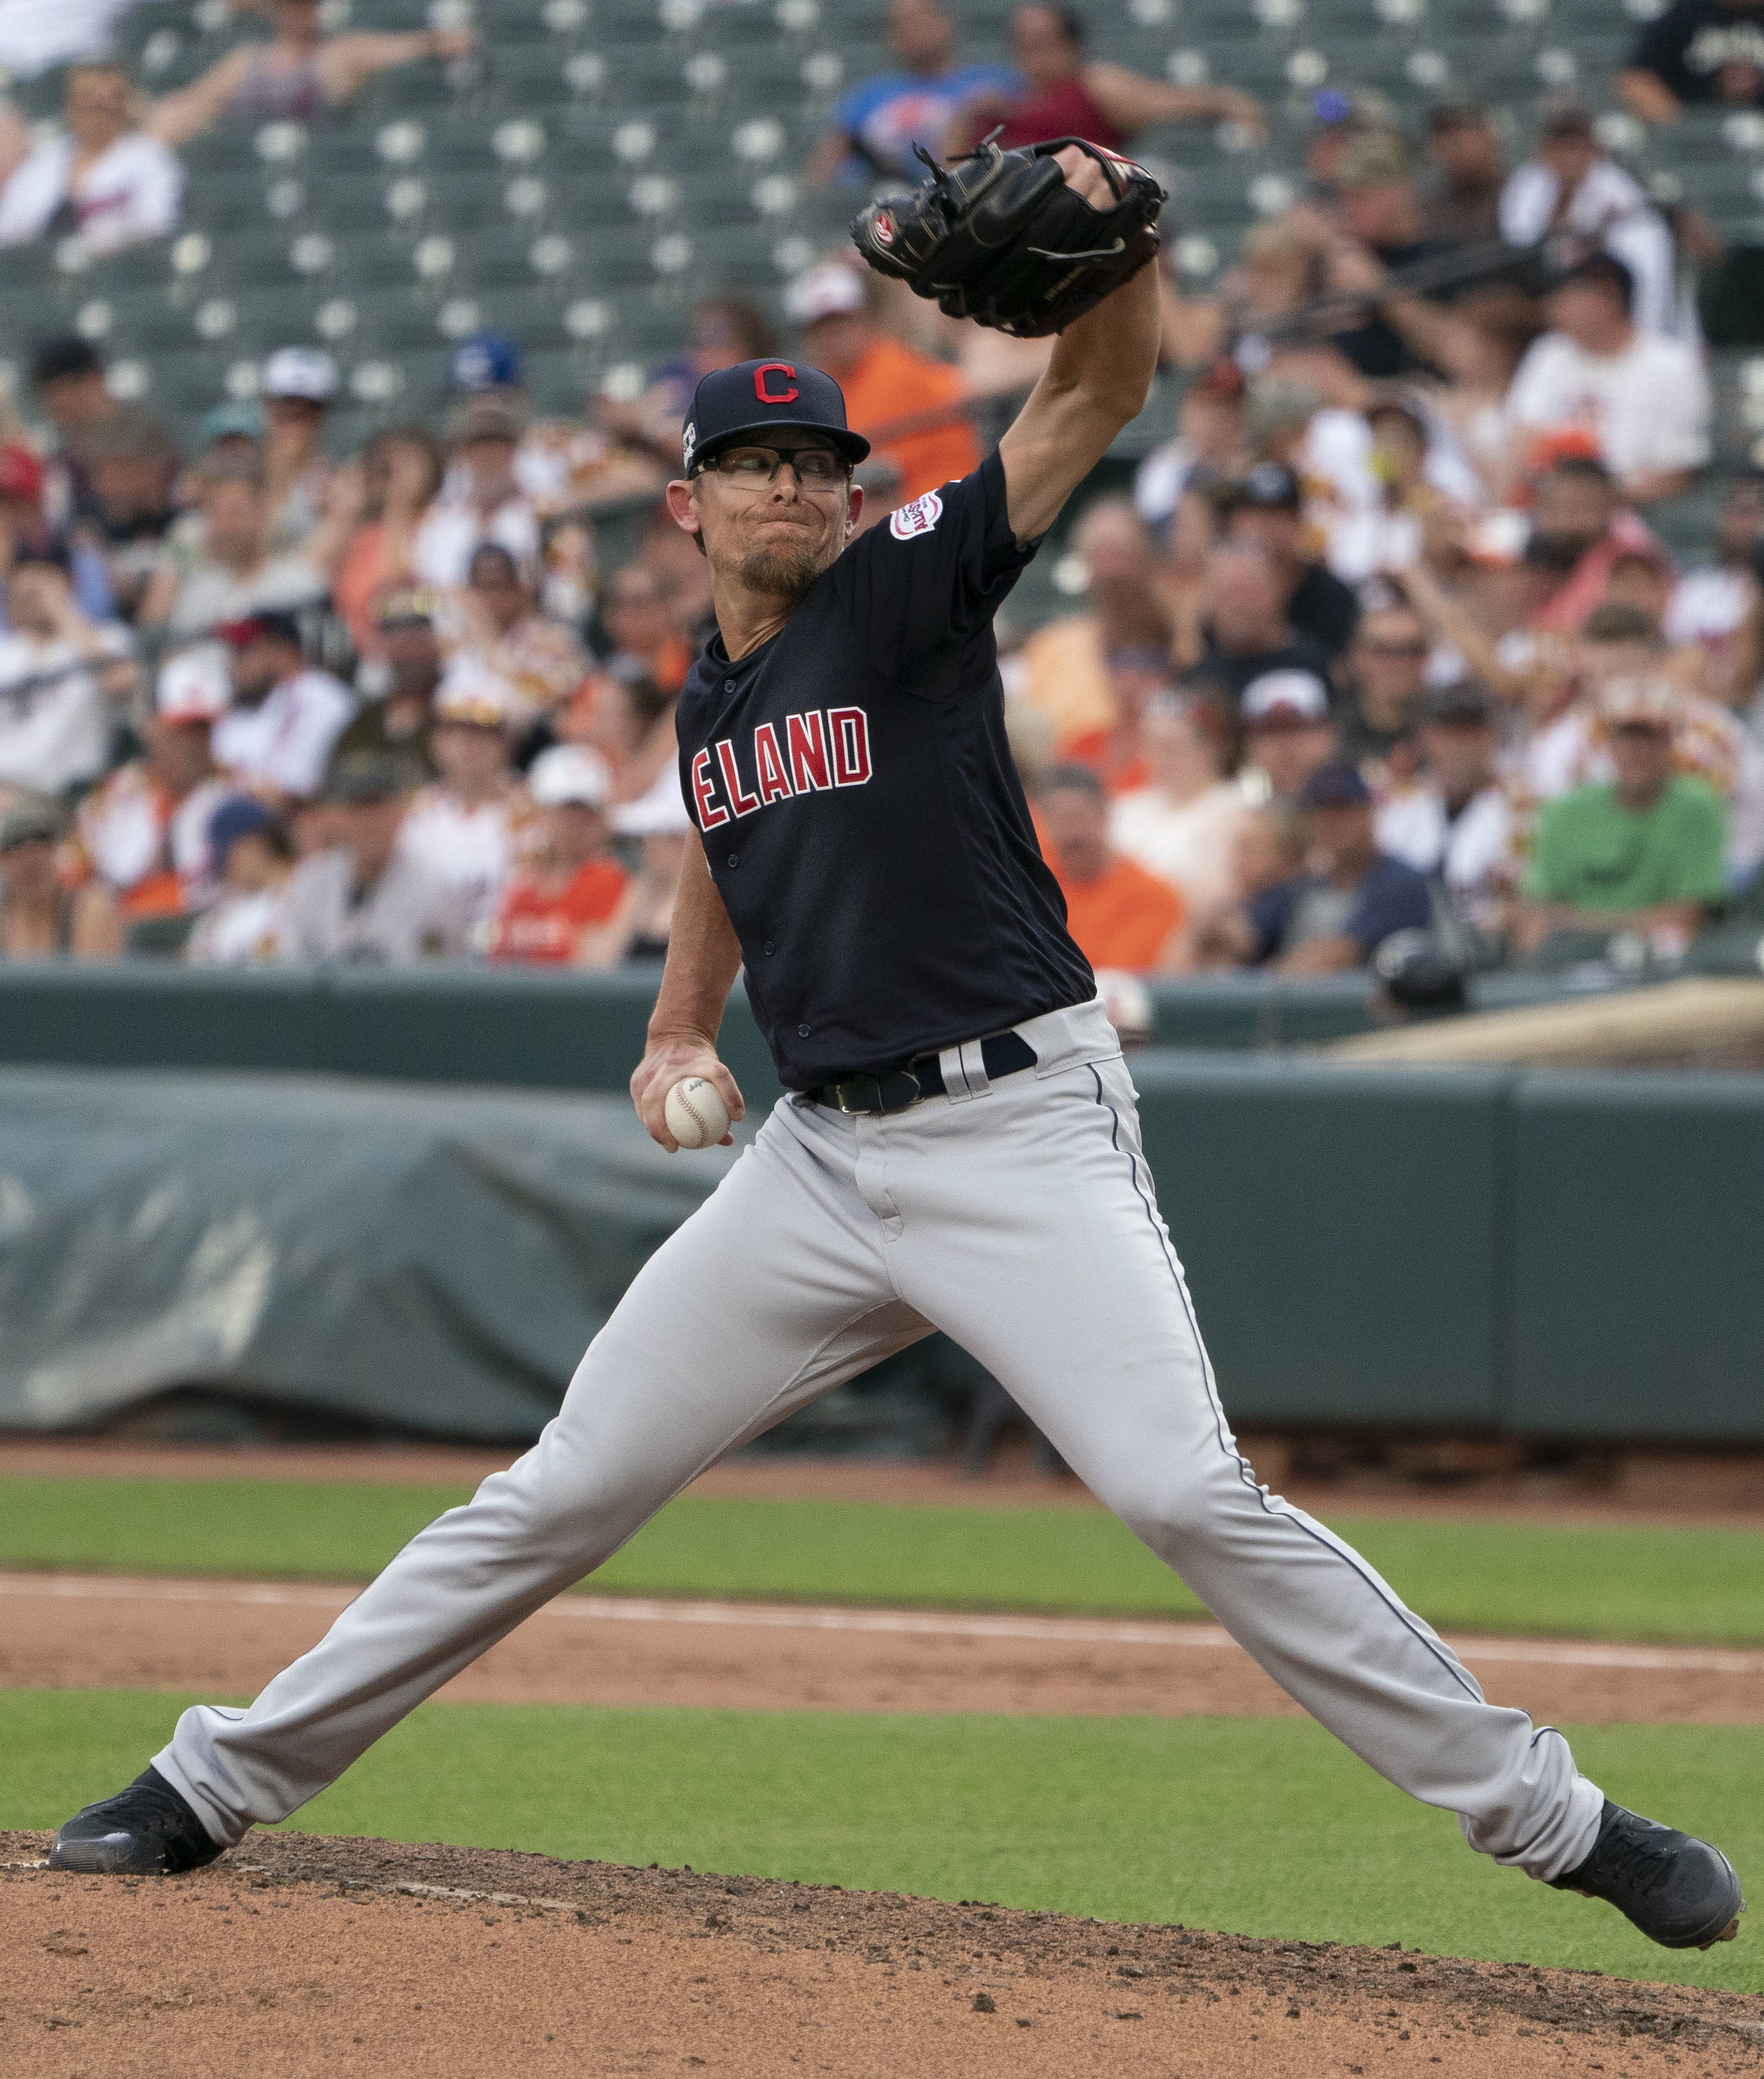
(998, 237)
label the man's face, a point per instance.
(73, 403)
(1381, 215)
(496, 587)
(1459, 755)
(130, 487)
(1077, 824)
(233, 514)
(1115, 550)
(1289, 751)
(97, 108)
(1571, 159)
(298, 420)
(1642, 754)
(920, 35)
(413, 658)
(469, 755)
(1466, 153)
(1038, 46)
(1599, 663)
(369, 829)
(1572, 514)
(37, 596)
(775, 538)
(1342, 837)
(1389, 660)
(1584, 311)
(1741, 527)
(252, 863)
(1276, 530)
(1245, 601)
(259, 667)
(1182, 756)
(178, 753)
(575, 833)
(1212, 427)
(489, 462)
(635, 612)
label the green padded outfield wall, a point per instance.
(1344, 1232)
(1549, 1254)
(532, 1028)
(1638, 1255)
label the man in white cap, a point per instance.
(552, 914)
(469, 827)
(1287, 734)
(299, 383)
(884, 381)
(143, 831)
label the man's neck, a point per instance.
(1638, 801)
(747, 619)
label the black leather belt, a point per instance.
(894, 1089)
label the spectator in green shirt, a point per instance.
(1643, 852)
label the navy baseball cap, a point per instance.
(756, 398)
(1334, 786)
(239, 816)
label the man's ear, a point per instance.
(854, 509)
(683, 508)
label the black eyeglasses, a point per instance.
(817, 469)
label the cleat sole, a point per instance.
(104, 1855)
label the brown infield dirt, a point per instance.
(294, 1955)
(226, 1639)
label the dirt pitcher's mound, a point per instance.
(298, 1955)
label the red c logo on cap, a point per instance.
(769, 396)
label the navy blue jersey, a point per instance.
(859, 811)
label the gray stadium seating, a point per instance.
(631, 153)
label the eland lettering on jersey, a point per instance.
(823, 748)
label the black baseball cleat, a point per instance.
(146, 1831)
(1677, 1890)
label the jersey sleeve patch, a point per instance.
(919, 517)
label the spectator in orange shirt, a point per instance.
(549, 915)
(1120, 916)
(884, 381)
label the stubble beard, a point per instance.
(779, 572)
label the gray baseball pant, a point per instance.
(1020, 1218)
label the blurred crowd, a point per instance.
(1380, 648)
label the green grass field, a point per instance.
(1687, 1584)
(1264, 1826)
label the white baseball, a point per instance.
(697, 1115)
